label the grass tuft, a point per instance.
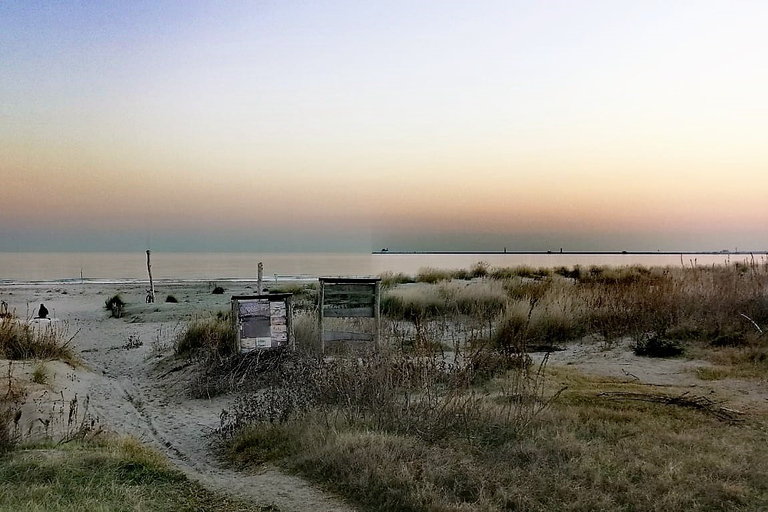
(213, 335)
(20, 340)
(40, 373)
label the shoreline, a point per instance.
(580, 253)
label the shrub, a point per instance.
(115, 305)
(218, 290)
(171, 299)
(480, 269)
(656, 346)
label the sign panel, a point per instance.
(263, 321)
(349, 298)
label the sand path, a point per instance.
(128, 395)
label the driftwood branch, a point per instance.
(753, 323)
(151, 291)
(685, 400)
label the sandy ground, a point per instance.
(125, 391)
(124, 384)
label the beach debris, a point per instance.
(4, 310)
(151, 292)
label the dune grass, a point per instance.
(117, 474)
(22, 340)
(208, 335)
(663, 310)
(497, 445)
(484, 429)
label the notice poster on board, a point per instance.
(263, 323)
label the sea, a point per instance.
(18, 267)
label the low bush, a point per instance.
(171, 299)
(218, 290)
(656, 346)
(115, 305)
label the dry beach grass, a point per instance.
(473, 434)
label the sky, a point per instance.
(355, 125)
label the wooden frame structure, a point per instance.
(263, 321)
(349, 297)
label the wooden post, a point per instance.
(151, 296)
(320, 301)
(260, 286)
(377, 316)
(289, 321)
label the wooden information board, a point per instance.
(349, 297)
(263, 321)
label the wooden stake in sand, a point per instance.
(151, 291)
(259, 286)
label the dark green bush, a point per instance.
(115, 305)
(656, 346)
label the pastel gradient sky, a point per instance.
(355, 125)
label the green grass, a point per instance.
(119, 475)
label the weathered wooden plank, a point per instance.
(347, 336)
(271, 296)
(334, 289)
(346, 297)
(348, 280)
(364, 312)
(349, 304)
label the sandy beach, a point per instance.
(123, 376)
(127, 380)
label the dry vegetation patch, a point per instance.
(478, 427)
(602, 444)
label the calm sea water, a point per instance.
(24, 267)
